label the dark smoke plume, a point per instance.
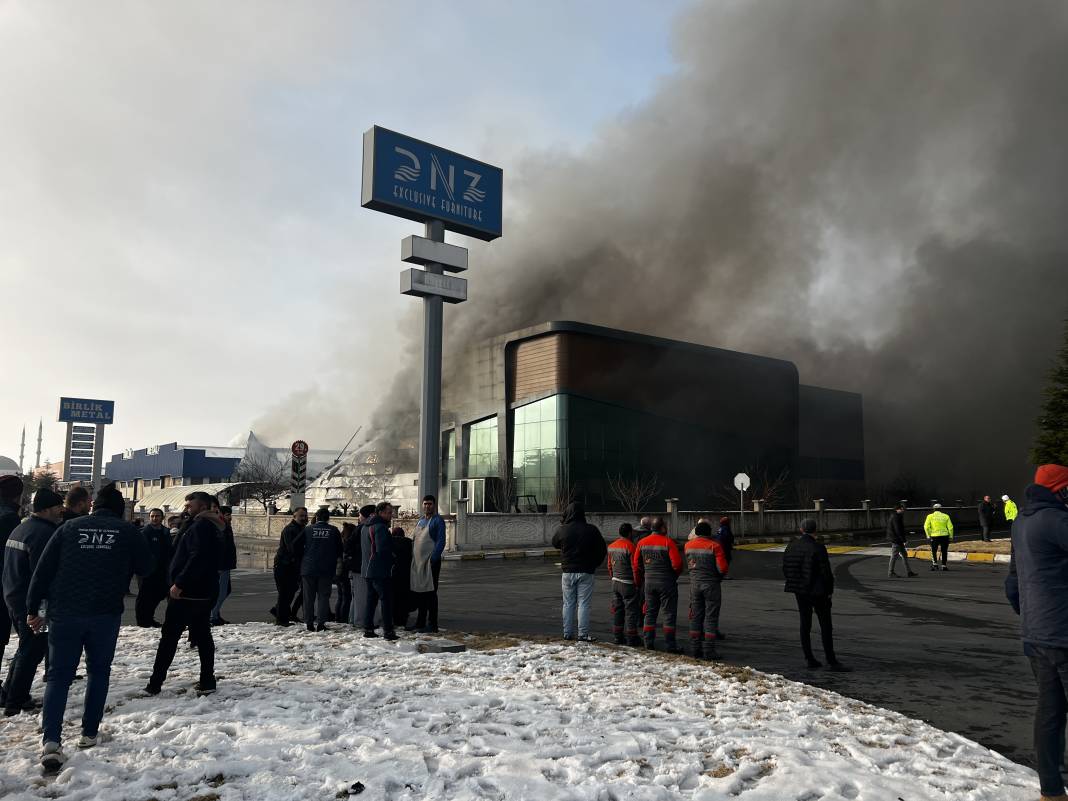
(876, 191)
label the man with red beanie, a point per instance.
(1037, 587)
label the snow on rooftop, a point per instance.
(306, 716)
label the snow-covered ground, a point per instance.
(305, 716)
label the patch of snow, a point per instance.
(306, 716)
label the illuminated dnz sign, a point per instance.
(419, 181)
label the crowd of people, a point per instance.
(382, 575)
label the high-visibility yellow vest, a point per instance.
(1010, 510)
(938, 524)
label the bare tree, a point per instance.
(266, 478)
(502, 492)
(634, 493)
(771, 487)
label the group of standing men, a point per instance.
(644, 565)
(65, 581)
(382, 575)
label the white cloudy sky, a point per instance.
(180, 228)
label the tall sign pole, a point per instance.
(419, 181)
(430, 409)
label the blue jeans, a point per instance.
(67, 637)
(576, 587)
(224, 593)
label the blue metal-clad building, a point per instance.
(138, 472)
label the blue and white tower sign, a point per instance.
(419, 181)
(84, 453)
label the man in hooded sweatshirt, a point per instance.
(83, 575)
(582, 550)
(657, 566)
(194, 587)
(24, 548)
(322, 549)
(1037, 587)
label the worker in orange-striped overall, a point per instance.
(707, 562)
(626, 596)
(657, 565)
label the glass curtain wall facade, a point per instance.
(482, 453)
(538, 432)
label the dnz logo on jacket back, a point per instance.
(97, 539)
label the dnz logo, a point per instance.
(96, 538)
(410, 172)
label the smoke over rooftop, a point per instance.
(876, 191)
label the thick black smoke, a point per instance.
(876, 191)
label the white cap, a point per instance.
(937, 506)
(1004, 497)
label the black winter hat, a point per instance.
(11, 487)
(110, 498)
(703, 530)
(809, 526)
(45, 499)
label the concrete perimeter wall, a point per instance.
(481, 532)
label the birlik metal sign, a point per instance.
(410, 178)
(83, 410)
(419, 181)
(84, 452)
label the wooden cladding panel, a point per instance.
(535, 367)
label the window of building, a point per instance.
(538, 448)
(482, 459)
(448, 466)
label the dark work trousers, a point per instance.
(287, 580)
(660, 594)
(153, 589)
(986, 532)
(317, 599)
(344, 598)
(427, 602)
(706, 598)
(5, 629)
(1050, 666)
(31, 651)
(378, 590)
(626, 609)
(821, 605)
(182, 614)
(938, 543)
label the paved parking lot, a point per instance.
(942, 647)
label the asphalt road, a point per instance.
(942, 647)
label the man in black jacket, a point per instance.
(83, 574)
(194, 585)
(895, 532)
(807, 569)
(287, 562)
(582, 550)
(322, 549)
(154, 586)
(24, 548)
(987, 510)
(10, 497)
(376, 546)
(76, 504)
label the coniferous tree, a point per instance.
(1051, 444)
